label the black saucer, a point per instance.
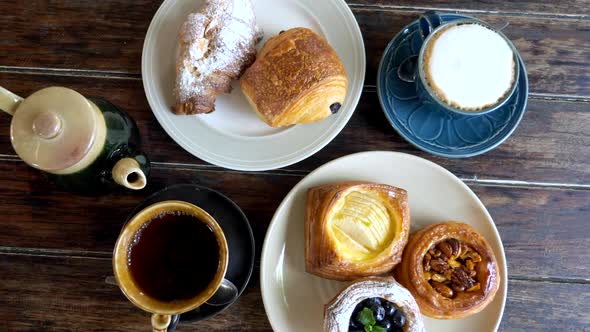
(235, 225)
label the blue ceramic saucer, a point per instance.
(429, 127)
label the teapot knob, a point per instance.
(47, 125)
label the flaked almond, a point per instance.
(470, 265)
(475, 257)
(427, 259)
(464, 251)
(448, 274)
(475, 287)
(453, 263)
(439, 278)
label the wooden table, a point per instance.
(55, 247)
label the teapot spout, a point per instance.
(9, 101)
(128, 173)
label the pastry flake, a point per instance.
(355, 229)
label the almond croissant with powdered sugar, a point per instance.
(215, 46)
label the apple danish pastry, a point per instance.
(355, 229)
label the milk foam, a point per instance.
(469, 66)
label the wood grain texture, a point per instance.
(55, 247)
(521, 7)
(65, 36)
(39, 216)
(69, 294)
(546, 306)
(87, 34)
(555, 51)
(539, 227)
(549, 146)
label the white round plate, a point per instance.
(233, 136)
(294, 300)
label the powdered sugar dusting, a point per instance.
(339, 310)
(215, 41)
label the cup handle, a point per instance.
(9, 101)
(164, 323)
(160, 323)
(426, 24)
(428, 21)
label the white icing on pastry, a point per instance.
(217, 40)
(339, 310)
(470, 66)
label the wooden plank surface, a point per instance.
(575, 8)
(55, 247)
(539, 227)
(70, 294)
(82, 35)
(549, 145)
(556, 50)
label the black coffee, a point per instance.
(174, 256)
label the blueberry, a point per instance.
(399, 319)
(358, 308)
(386, 324)
(354, 324)
(389, 309)
(372, 301)
(378, 311)
(334, 108)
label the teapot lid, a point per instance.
(57, 130)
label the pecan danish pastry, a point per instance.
(450, 269)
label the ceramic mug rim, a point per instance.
(123, 274)
(432, 94)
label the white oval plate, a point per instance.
(233, 136)
(294, 300)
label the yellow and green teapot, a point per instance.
(83, 144)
